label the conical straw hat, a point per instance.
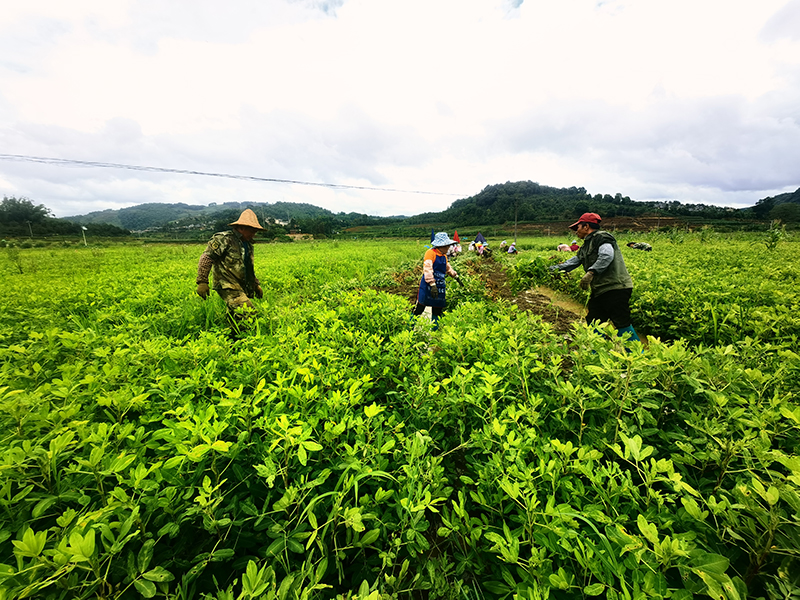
(249, 219)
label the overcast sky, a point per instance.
(689, 100)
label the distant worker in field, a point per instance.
(606, 275)
(640, 246)
(435, 267)
(512, 249)
(230, 254)
(455, 249)
(571, 247)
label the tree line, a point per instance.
(20, 217)
(529, 201)
(520, 201)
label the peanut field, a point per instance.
(336, 448)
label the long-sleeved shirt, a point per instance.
(605, 256)
(601, 255)
(427, 265)
(231, 258)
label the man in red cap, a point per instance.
(230, 254)
(611, 284)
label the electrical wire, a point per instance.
(87, 163)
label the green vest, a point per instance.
(616, 276)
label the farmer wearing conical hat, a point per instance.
(230, 255)
(435, 267)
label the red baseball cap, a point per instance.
(586, 218)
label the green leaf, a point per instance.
(43, 505)
(511, 488)
(302, 455)
(497, 587)
(633, 447)
(197, 453)
(276, 547)
(250, 579)
(158, 574)
(294, 546)
(31, 544)
(174, 462)
(312, 446)
(370, 537)
(559, 580)
(221, 446)
(772, 495)
(322, 568)
(708, 562)
(373, 410)
(87, 544)
(145, 555)
(222, 554)
(594, 590)
(648, 530)
(691, 506)
(121, 463)
(146, 588)
(286, 584)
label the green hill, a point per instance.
(152, 215)
(785, 207)
(499, 204)
(529, 201)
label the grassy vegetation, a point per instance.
(338, 450)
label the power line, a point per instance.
(64, 162)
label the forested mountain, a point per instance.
(521, 201)
(530, 201)
(785, 207)
(166, 218)
(148, 216)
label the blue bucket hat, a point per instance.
(442, 239)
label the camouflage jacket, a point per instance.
(232, 258)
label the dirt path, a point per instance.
(553, 307)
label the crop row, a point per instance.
(334, 450)
(703, 292)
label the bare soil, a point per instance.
(554, 308)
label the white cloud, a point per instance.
(783, 24)
(698, 102)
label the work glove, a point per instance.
(434, 291)
(259, 293)
(586, 280)
(553, 268)
(202, 290)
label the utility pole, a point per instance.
(516, 204)
(83, 231)
(30, 230)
